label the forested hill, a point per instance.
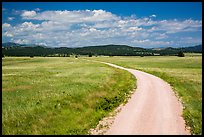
(14, 49)
(120, 50)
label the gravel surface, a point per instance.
(153, 109)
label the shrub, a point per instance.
(90, 55)
(180, 54)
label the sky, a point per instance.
(79, 24)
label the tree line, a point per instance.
(107, 50)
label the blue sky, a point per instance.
(77, 24)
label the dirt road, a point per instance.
(152, 109)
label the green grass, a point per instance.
(183, 73)
(59, 95)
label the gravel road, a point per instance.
(153, 109)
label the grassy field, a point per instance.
(59, 95)
(183, 73)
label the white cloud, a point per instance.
(174, 26)
(141, 41)
(103, 25)
(42, 43)
(37, 9)
(28, 26)
(7, 30)
(10, 18)
(75, 16)
(54, 26)
(190, 40)
(26, 29)
(153, 15)
(134, 29)
(28, 14)
(7, 34)
(6, 25)
(151, 42)
(159, 36)
(22, 41)
(95, 27)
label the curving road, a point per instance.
(153, 109)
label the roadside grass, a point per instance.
(184, 74)
(54, 95)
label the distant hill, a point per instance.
(11, 44)
(197, 49)
(174, 51)
(114, 50)
(14, 49)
